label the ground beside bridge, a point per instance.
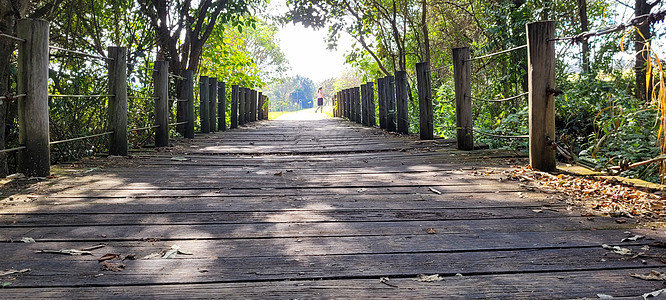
(317, 208)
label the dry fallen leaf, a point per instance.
(431, 230)
(12, 271)
(633, 238)
(617, 249)
(65, 251)
(107, 266)
(278, 173)
(435, 191)
(428, 278)
(653, 275)
(108, 256)
(653, 294)
(27, 240)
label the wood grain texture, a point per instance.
(313, 209)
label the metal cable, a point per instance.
(13, 149)
(497, 53)
(81, 138)
(498, 100)
(501, 136)
(145, 128)
(440, 68)
(80, 96)
(179, 123)
(634, 22)
(81, 53)
(176, 76)
(143, 98)
(11, 37)
(11, 97)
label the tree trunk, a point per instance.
(10, 12)
(641, 8)
(585, 51)
(424, 27)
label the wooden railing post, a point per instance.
(234, 106)
(248, 104)
(357, 104)
(371, 103)
(188, 92)
(345, 109)
(33, 109)
(212, 104)
(241, 105)
(161, 103)
(266, 106)
(117, 110)
(425, 100)
(381, 101)
(401, 98)
(260, 106)
(254, 103)
(463, 81)
(222, 106)
(364, 105)
(204, 120)
(390, 104)
(541, 83)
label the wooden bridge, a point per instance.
(295, 209)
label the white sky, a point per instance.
(306, 50)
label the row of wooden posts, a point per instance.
(247, 105)
(357, 104)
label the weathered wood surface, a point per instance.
(266, 211)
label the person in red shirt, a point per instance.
(320, 99)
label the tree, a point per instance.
(642, 36)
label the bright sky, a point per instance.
(306, 50)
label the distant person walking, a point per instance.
(320, 99)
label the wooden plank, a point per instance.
(218, 268)
(581, 284)
(121, 232)
(221, 217)
(319, 246)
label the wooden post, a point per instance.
(248, 104)
(371, 103)
(425, 100)
(344, 103)
(463, 81)
(161, 103)
(260, 106)
(364, 105)
(381, 101)
(204, 120)
(222, 106)
(212, 104)
(390, 104)
(254, 105)
(33, 109)
(357, 104)
(401, 97)
(117, 110)
(266, 106)
(188, 92)
(541, 83)
(241, 106)
(234, 106)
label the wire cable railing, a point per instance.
(81, 138)
(12, 97)
(634, 22)
(11, 37)
(499, 100)
(81, 53)
(497, 53)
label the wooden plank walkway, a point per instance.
(311, 209)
